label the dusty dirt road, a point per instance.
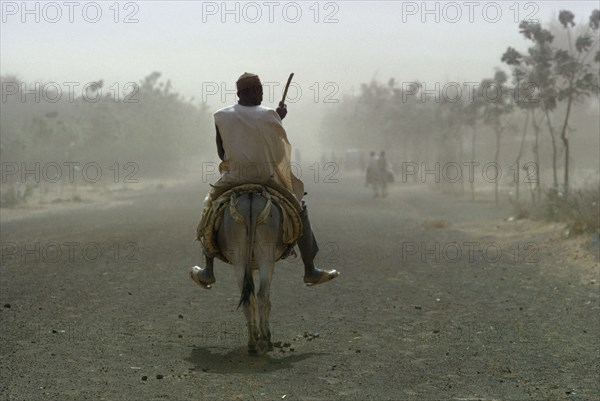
(425, 308)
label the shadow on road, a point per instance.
(238, 361)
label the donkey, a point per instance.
(250, 236)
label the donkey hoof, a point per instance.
(264, 347)
(252, 351)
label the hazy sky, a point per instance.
(369, 39)
(191, 44)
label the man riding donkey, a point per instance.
(253, 147)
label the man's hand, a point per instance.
(281, 110)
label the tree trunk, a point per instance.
(461, 156)
(551, 129)
(565, 140)
(536, 158)
(520, 154)
(472, 179)
(496, 158)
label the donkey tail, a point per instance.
(248, 287)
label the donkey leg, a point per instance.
(249, 310)
(253, 330)
(264, 305)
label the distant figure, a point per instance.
(386, 169)
(374, 175)
(378, 174)
(382, 169)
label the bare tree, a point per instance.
(497, 106)
(576, 78)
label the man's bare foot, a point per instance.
(319, 276)
(202, 277)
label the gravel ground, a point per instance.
(440, 298)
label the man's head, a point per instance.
(249, 89)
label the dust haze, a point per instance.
(450, 155)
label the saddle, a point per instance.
(224, 196)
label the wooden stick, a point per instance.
(287, 85)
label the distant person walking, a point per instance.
(384, 173)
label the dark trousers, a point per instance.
(307, 243)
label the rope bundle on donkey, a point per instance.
(214, 210)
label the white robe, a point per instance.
(256, 147)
